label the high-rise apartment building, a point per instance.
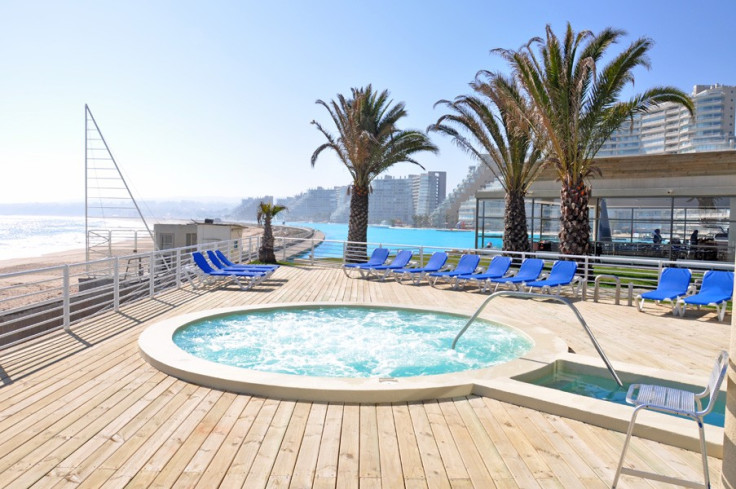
(428, 190)
(391, 201)
(669, 128)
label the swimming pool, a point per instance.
(349, 341)
(380, 380)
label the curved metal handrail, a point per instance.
(531, 295)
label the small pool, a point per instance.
(606, 389)
(350, 341)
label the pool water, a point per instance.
(352, 341)
(607, 390)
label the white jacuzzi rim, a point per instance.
(158, 348)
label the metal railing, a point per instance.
(530, 295)
(33, 302)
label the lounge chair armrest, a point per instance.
(691, 290)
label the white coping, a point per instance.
(158, 348)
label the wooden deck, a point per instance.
(85, 410)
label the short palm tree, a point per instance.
(266, 213)
(575, 105)
(488, 124)
(368, 142)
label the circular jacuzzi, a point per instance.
(337, 352)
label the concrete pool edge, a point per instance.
(670, 430)
(498, 382)
(158, 349)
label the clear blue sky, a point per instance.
(215, 99)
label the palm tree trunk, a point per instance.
(515, 235)
(574, 219)
(265, 252)
(358, 226)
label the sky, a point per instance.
(213, 100)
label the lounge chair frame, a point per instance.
(674, 296)
(721, 305)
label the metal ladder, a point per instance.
(556, 298)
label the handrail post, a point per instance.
(151, 273)
(178, 268)
(116, 284)
(66, 306)
(311, 254)
(584, 293)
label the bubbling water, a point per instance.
(350, 341)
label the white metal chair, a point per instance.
(678, 402)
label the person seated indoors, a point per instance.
(657, 237)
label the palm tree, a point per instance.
(266, 213)
(368, 143)
(504, 135)
(575, 105)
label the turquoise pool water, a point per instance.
(440, 238)
(350, 342)
(607, 390)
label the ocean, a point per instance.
(32, 236)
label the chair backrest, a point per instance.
(717, 281)
(499, 265)
(677, 279)
(717, 375)
(201, 262)
(563, 270)
(401, 258)
(467, 264)
(530, 268)
(223, 258)
(378, 256)
(436, 261)
(215, 260)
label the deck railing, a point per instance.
(34, 302)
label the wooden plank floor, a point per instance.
(85, 410)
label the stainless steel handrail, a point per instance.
(530, 295)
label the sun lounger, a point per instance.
(716, 290)
(529, 271)
(466, 265)
(673, 284)
(498, 267)
(401, 259)
(208, 273)
(435, 264)
(562, 273)
(378, 257)
(225, 261)
(220, 265)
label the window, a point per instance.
(165, 241)
(191, 239)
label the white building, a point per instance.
(669, 128)
(428, 191)
(391, 201)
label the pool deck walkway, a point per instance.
(85, 410)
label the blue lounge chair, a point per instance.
(466, 266)
(716, 290)
(435, 264)
(226, 261)
(208, 273)
(378, 257)
(498, 267)
(529, 271)
(401, 259)
(673, 284)
(219, 264)
(562, 273)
